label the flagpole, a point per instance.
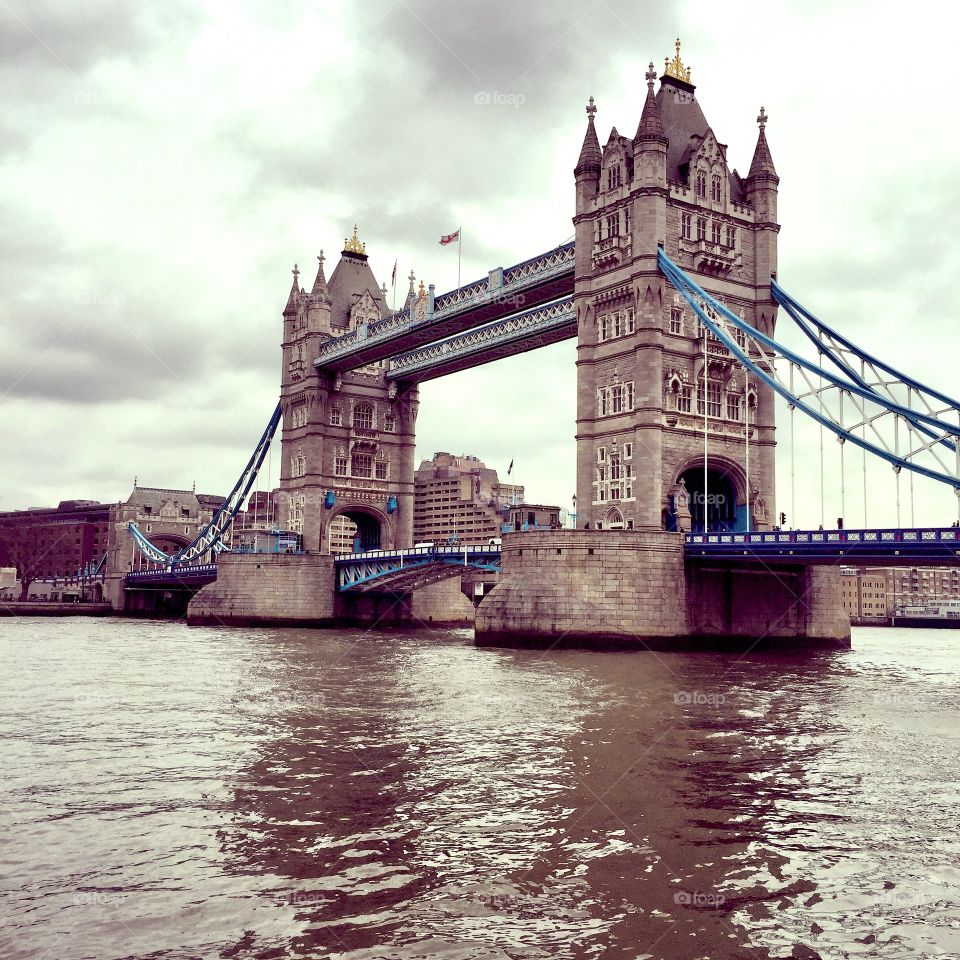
(459, 252)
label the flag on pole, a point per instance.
(449, 238)
(393, 277)
(510, 468)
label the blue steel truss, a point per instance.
(505, 286)
(524, 331)
(900, 432)
(379, 569)
(861, 367)
(210, 539)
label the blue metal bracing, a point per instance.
(873, 373)
(210, 539)
(386, 569)
(905, 436)
(889, 547)
(538, 280)
(524, 331)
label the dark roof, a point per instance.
(351, 277)
(683, 120)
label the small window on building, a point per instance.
(340, 466)
(631, 320)
(336, 418)
(701, 184)
(716, 233)
(381, 469)
(701, 228)
(716, 189)
(731, 237)
(613, 225)
(390, 423)
(628, 451)
(686, 226)
(601, 454)
(363, 416)
(676, 320)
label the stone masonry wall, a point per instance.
(267, 588)
(586, 588)
(632, 589)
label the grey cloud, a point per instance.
(63, 35)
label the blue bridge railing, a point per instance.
(888, 546)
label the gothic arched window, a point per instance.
(716, 188)
(361, 465)
(701, 184)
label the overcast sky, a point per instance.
(164, 165)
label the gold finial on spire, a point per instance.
(353, 245)
(675, 67)
(422, 292)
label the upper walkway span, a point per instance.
(542, 279)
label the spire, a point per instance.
(590, 156)
(762, 165)
(320, 290)
(291, 308)
(651, 126)
(410, 293)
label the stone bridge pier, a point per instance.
(633, 589)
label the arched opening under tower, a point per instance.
(713, 506)
(354, 531)
(169, 543)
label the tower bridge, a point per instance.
(671, 289)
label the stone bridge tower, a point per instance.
(644, 383)
(348, 439)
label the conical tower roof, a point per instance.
(762, 165)
(320, 291)
(590, 156)
(293, 299)
(651, 123)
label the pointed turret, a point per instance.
(320, 291)
(590, 155)
(762, 165)
(650, 128)
(411, 293)
(293, 299)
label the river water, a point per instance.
(175, 792)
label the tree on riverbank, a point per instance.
(26, 555)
